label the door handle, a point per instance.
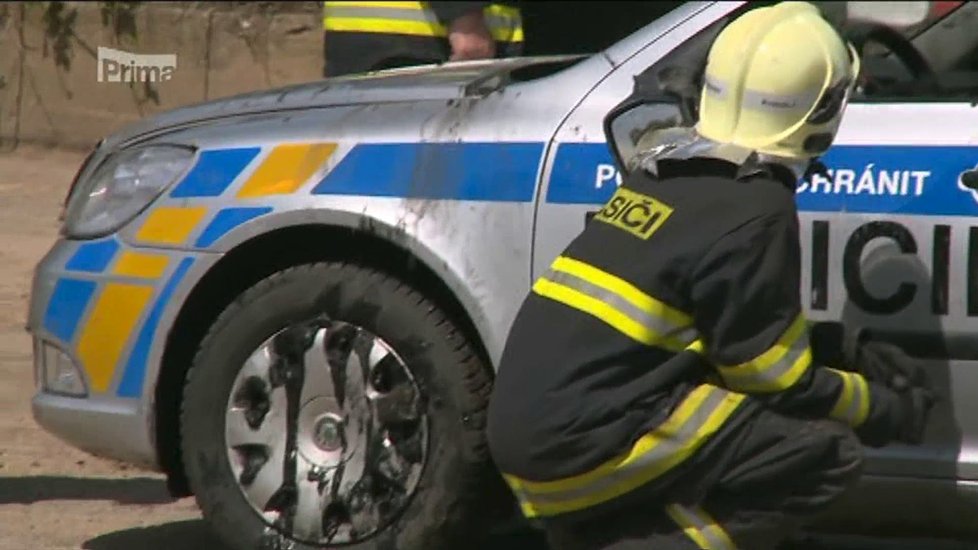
(970, 179)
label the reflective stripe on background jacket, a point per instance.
(673, 315)
(362, 36)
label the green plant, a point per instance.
(59, 26)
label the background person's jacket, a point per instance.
(366, 36)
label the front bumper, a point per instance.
(108, 307)
(116, 430)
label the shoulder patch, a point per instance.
(638, 214)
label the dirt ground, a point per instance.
(53, 497)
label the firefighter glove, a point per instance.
(888, 365)
(898, 417)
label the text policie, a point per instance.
(906, 291)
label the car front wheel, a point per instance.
(334, 405)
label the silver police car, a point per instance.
(291, 302)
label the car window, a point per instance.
(907, 18)
(911, 51)
(940, 32)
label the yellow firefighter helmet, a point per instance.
(777, 81)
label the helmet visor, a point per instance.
(836, 97)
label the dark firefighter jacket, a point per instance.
(367, 36)
(673, 315)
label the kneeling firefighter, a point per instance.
(659, 388)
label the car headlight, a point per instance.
(125, 184)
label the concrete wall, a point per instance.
(222, 49)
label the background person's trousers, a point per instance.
(749, 490)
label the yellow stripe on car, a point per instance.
(170, 224)
(107, 331)
(138, 264)
(286, 168)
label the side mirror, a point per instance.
(663, 98)
(627, 126)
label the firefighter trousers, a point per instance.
(750, 491)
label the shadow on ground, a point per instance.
(195, 535)
(185, 535)
(30, 489)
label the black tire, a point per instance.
(450, 499)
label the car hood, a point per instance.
(427, 82)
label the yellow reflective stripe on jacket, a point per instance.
(700, 527)
(776, 369)
(413, 18)
(852, 405)
(617, 303)
(698, 417)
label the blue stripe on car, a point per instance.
(884, 179)
(226, 220)
(93, 257)
(925, 180)
(66, 307)
(505, 172)
(131, 384)
(214, 172)
(572, 179)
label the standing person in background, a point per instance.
(369, 36)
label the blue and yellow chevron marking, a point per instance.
(170, 225)
(102, 320)
(286, 168)
(131, 384)
(93, 257)
(66, 307)
(141, 265)
(113, 307)
(283, 171)
(105, 334)
(499, 172)
(214, 172)
(225, 221)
